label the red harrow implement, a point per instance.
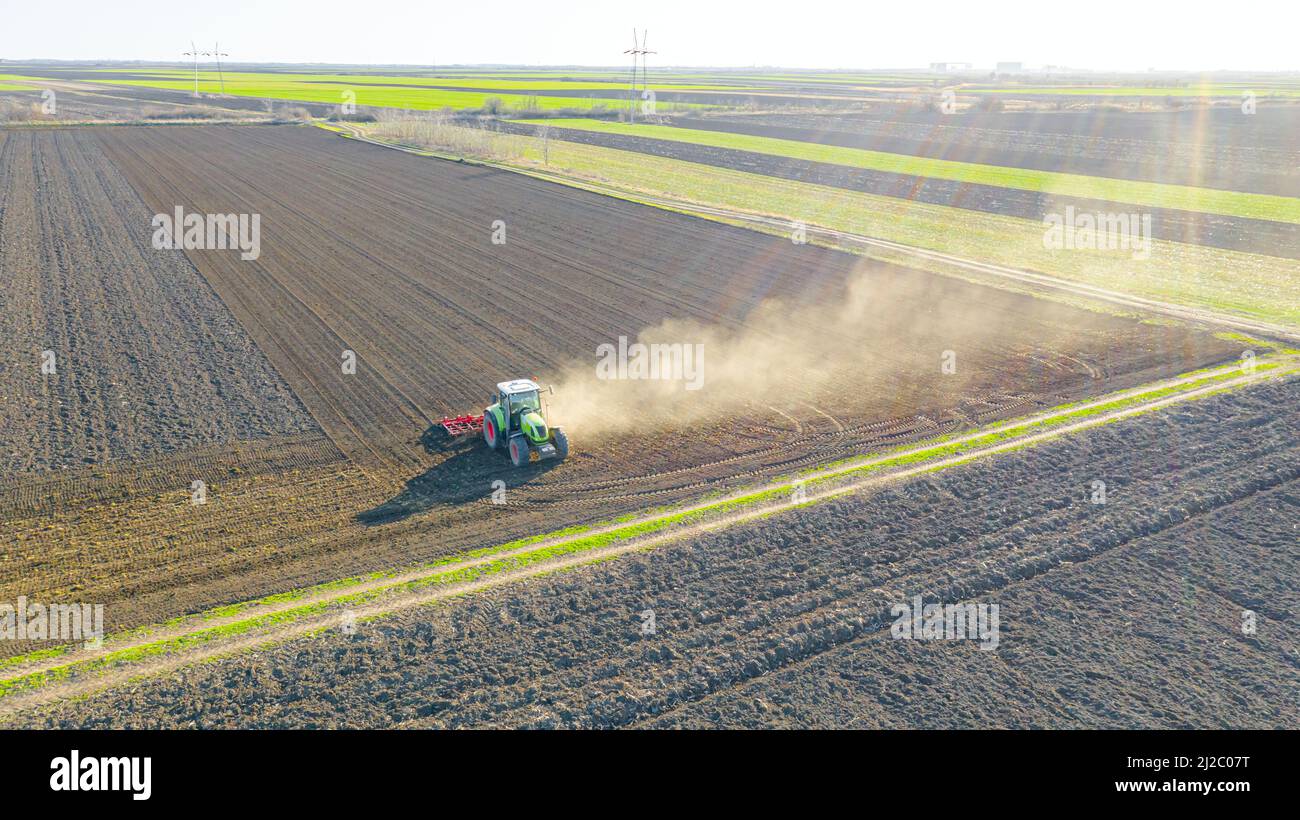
(463, 425)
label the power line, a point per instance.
(644, 68)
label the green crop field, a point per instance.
(415, 99)
(1136, 91)
(14, 82)
(1151, 194)
(559, 83)
(848, 80)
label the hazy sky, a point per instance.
(1103, 34)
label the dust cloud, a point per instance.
(885, 334)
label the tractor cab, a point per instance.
(517, 399)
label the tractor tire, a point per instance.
(519, 451)
(561, 445)
(490, 432)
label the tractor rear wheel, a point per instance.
(519, 451)
(490, 432)
(561, 444)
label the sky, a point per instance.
(1124, 35)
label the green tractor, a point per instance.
(516, 423)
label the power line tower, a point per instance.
(638, 49)
(196, 54)
(216, 52)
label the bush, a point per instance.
(449, 134)
(194, 112)
(358, 117)
(20, 110)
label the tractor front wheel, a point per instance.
(561, 444)
(519, 451)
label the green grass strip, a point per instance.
(1132, 192)
(380, 96)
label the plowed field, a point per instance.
(392, 257)
(144, 358)
(1122, 615)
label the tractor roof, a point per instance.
(517, 386)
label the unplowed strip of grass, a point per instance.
(1151, 194)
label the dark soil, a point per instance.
(147, 359)
(1122, 615)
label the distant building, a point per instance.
(1010, 68)
(950, 67)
